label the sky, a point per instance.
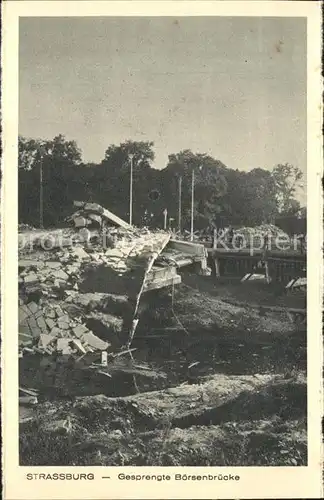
(234, 88)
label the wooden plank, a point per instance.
(187, 247)
(157, 284)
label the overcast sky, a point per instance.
(231, 87)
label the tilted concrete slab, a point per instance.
(105, 214)
(188, 247)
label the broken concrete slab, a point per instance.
(53, 264)
(49, 312)
(58, 310)
(63, 345)
(80, 330)
(25, 329)
(25, 263)
(115, 253)
(77, 343)
(55, 332)
(50, 323)
(95, 218)
(93, 207)
(110, 322)
(60, 275)
(24, 339)
(42, 324)
(36, 331)
(33, 307)
(80, 221)
(63, 325)
(45, 339)
(23, 314)
(106, 214)
(95, 342)
(96, 257)
(65, 318)
(80, 253)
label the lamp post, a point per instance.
(41, 192)
(131, 157)
(179, 207)
(193, 201)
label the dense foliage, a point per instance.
(222, 195)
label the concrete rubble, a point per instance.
(60, 287)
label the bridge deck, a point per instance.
(256, 253)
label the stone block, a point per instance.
(50, 323)
(79, 345)
(94, 342)
(80, 330)
(31, 278)
(63, 325)
(114, 253)
(80, 221)
(33, 307)
(55, 332)
(23, 314)
(72, 270)
(32, 322)
(25, 329)
(95, 218)
(96, 257)
(65, 318)
(45, 340)
(63, 345)
(24, 339)
(60, 275)
(53, 264)
(93, 207)
(42, 324)
(58, 310)
(49, 312)
(36, 331)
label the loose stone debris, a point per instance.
(58, 289)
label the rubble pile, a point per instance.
(25, 227)
(47, 329)
(82, 299)
(90, 214)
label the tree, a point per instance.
(59, 149)
(28, 151)
(113, 177)
(58, 159)
(287, 179)
(118, 156)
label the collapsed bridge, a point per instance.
(64, 274)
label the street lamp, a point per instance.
(192, 201)
(131, 157)
(179, 207)
(41, 193)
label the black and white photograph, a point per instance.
(162, 241)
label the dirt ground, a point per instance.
(226, 385)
